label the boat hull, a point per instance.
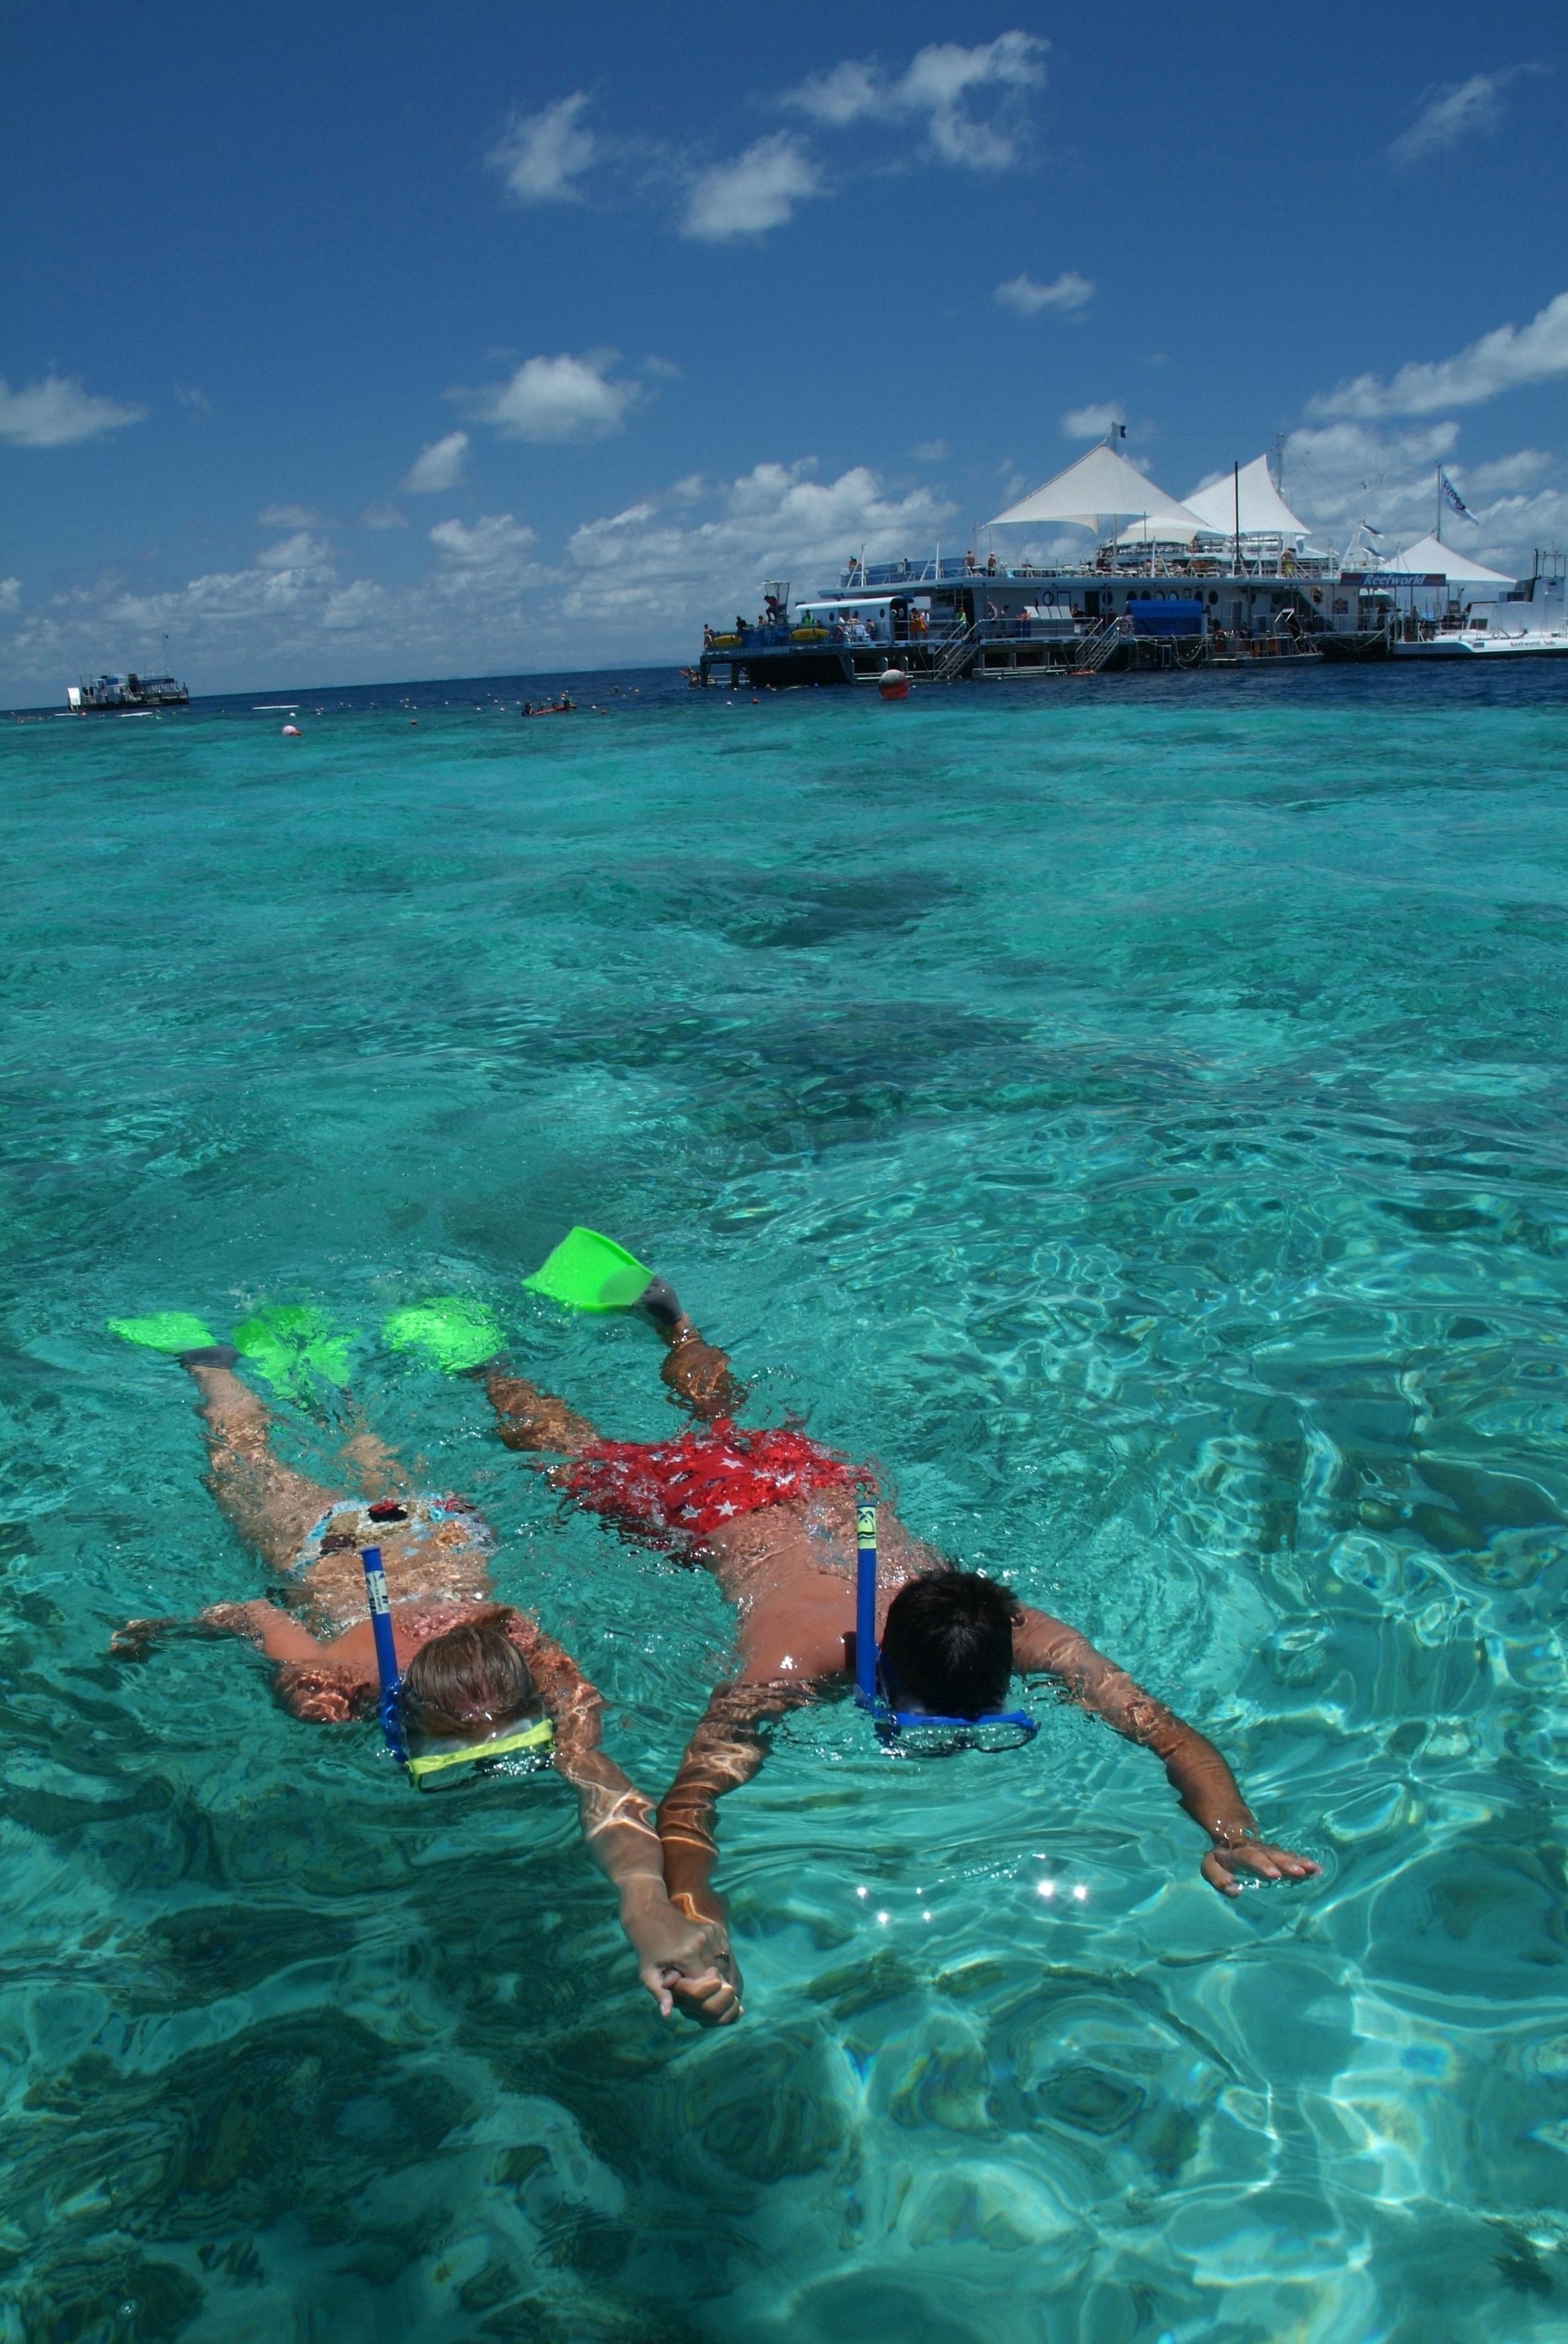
(1543, 645)
(1370, 645)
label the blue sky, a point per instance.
(347, 343)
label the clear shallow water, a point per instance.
(1133, 1114)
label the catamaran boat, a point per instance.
(125, 696)
(1530, 620)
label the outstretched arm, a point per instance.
(676, 1952)
(1193, 1767)
(726, 1750)
(309, 1684)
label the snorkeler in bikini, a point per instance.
(470, 1666)
(772, 1514)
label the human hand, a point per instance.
(321, 1696)
(681, 1953)
(322, 1705)
(136, 1640)
(699, 1374)
(713, 2000)
(1256, 1856)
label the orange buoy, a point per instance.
(893, 683)
(291, 731)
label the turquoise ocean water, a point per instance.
(1133, 1114)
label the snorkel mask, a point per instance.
(914, 1733)
(526, 1748)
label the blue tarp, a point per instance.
(1171, 615)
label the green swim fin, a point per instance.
(166, 1330)
(454, 1331)
(587, 1272)
(288, 1343)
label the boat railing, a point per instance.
(940, 641)
(1260, 556)
(863, 577)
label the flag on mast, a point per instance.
(1452, 498)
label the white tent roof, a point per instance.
(1264, 513)
(1431, 558)
(1102, 487)
(1161, 528)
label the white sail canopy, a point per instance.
(1172, 527)
(1432, 559)
(1103, 488)
(1263, 511)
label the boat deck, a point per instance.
(763, 658)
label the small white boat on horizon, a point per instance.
(1529, 621)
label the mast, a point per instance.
(1438, 531)
(1236, 492)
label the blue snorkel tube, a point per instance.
(866, 1656)
(869, 1694)
(388, 1707)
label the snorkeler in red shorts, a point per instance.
(772, 1515)
(470, 1666)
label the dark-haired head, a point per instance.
(947, 1644)
(468, 1682)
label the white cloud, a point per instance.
(493, 542)
(1341, 473)
(648, 565)
(1502, 361)
(384, 517)
(195, 402)
(301, 622)
(848, 93)
(1067, 292)
(438, 467)
(10, 596)
(303, 550)
(1449, 115)
(56, 413)
(629, 518)
(540, 155)
(1512, 525)
(1338, 474)
(355, 606)
(935, 85)
(1504, 474)
(289, 517)
(1092, 422)
(559, 399)
(754, 192)
(930, 451)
